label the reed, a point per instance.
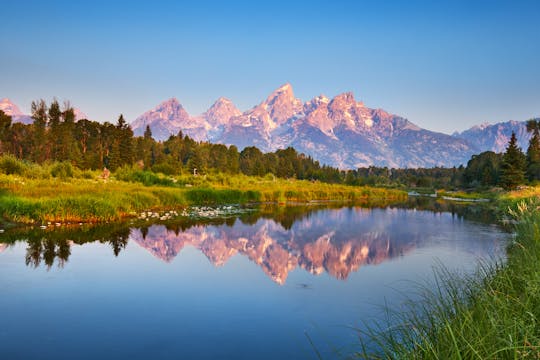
(59, 192)
(494, 314)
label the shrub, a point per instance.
(146, 178)
(165, 169)
(9, 164)
(62, 170)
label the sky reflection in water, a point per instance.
(236, 288)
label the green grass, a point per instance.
(58, 192)
(494, 314)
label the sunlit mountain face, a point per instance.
(339, 131)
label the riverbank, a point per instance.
(492, 315)
(91, 199)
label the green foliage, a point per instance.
(165, 168)
(213, 196)
(11, 165)
(62, 170)
(146, 178)
(513, 165)
(483, 170)
(533, 151)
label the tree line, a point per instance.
(487, 169)
(55, 135)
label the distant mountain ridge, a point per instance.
(8, 107)
(340, 132)
(495, 137)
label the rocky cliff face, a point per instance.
(340, 132)
(165, 120)
(495, 137)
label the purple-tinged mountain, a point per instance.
(170, 117)
(340, 132)
(267, 124)
(164, 120)
(495, 137)
(8, 107)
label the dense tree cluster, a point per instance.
(55, 135)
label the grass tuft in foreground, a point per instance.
(492, 315)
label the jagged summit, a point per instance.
(339, 131)
(221, 111)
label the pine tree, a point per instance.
(39, 130)
(147, 133)
(5, 127)
(513, 165)
(54, 143)
(533, 151)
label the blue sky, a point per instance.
(445, 65)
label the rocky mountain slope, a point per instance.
(495, 137)
(13, 110)
(340, 132)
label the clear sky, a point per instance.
(445, 65)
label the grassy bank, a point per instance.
(492, 315)
(35, 194)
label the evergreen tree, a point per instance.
(125, 141)
(121, 148)
(533, 151)
(69, 149)
(513, 165)
(39, 114)
(482, 170)
(5, 127)
(55, 138)
(233, 160)
(147, 133)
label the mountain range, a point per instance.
(340, 131)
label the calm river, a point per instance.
(257, 286)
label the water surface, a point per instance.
(256, 286)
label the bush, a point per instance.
(62, 170)
(9, 164)
(146, 178)
(34, 171)
(165, 169)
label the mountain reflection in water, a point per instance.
(335, 241)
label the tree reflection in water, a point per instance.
(277, 239)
